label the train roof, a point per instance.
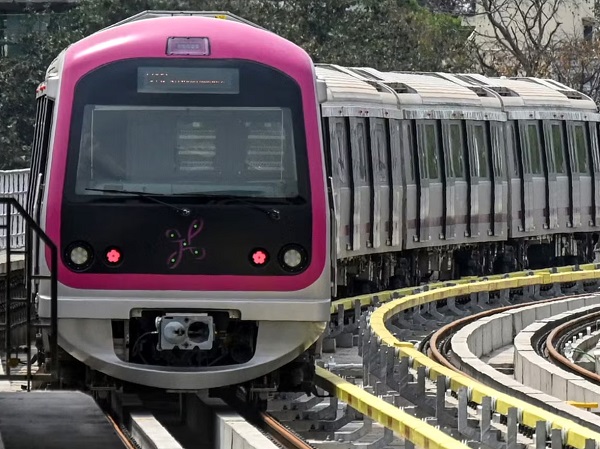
(445, 95)
(153, 14)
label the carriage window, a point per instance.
(359, 150)
(339, 150)
(557, 147)
(479, 150)
(533, 147)
(515, 149)
(399, 142)
(379, 150)
(402, 132)
(498, 148)
(595, 149)
(454, 140)
(428, 147)
(581, 147)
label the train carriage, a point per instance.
(481, 174)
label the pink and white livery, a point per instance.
(178, 167)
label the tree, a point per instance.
(577, 64)
(462, 7)
(541, 38)
(521, 37)
(386, 34)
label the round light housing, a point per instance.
(78, 256)
(293, 258)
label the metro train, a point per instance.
(210, 189)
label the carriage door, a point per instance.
(552, 147)
(456, 185)
(399, 149)
(361, 177)
(500, 212)
(431, 200)
(580, 176)
(342, 181)
(481, 185)
(559, 180)
(593, 126)
(381, 185)
(534, 181)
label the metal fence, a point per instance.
(13, 183)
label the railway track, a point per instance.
(438, 345)
(386, 352)
(555, 343)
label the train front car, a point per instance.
(186, 194)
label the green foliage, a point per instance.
(385, 34)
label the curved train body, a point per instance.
(184, 186)
(437, 175)
(180, 165)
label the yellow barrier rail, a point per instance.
(574, 434)
(407, 426)
(585, 405)
(520, 279)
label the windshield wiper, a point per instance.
(184, 211)
(217, 197)
(271, 212)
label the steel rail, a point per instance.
(556, 356)
(438, 338)
(282, 434)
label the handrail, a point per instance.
(398, 301)
(407, 426)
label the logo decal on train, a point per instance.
(185, 244)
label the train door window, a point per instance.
(594, 144)
(379, 150)
(497, 131)
(558, 150)
(479, 149)
(581, 147)
(398, 144)
(516, 154)
(412, 159)
(532, 147)
(339, 151)
(428, 147)
(359, 151)
(454, 149)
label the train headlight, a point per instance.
(293, 258)
(79, 255)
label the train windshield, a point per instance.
(243, 151)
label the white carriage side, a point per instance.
(436, 172)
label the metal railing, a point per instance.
(13, 301)
(13, 184)
(386, 305)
